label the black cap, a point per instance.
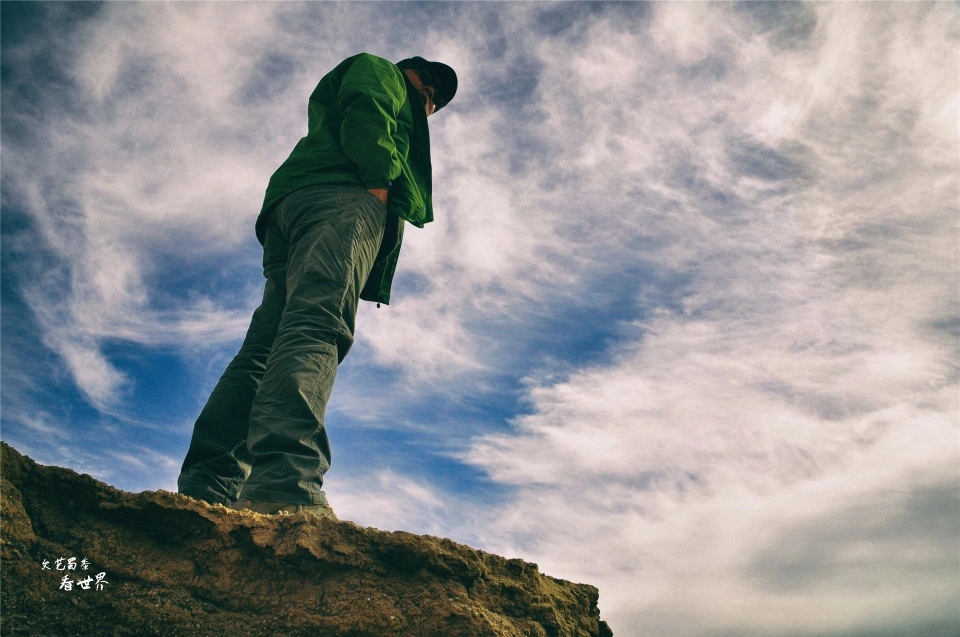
(441, 77)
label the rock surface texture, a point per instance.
(169, 565)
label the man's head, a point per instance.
(436, 82)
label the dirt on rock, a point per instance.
(159, 563)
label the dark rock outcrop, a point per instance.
(169, 565)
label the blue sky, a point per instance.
(685, 328)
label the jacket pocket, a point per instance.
(405, 200)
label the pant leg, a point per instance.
(333, 234)
(217, 462)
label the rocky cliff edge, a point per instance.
(159, 563)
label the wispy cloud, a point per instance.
(808, 343)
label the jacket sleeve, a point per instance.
(371, 95)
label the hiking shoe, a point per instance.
(277, 508)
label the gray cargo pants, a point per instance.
(262, 429)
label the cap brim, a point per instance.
(447, 79)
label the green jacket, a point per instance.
(364, 130)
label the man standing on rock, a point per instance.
(331, 226)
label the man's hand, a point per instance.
(380, 193)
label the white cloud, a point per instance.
(800, 372)
(94, 375)
(692, 493)
(391, 502)
(137, 180)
